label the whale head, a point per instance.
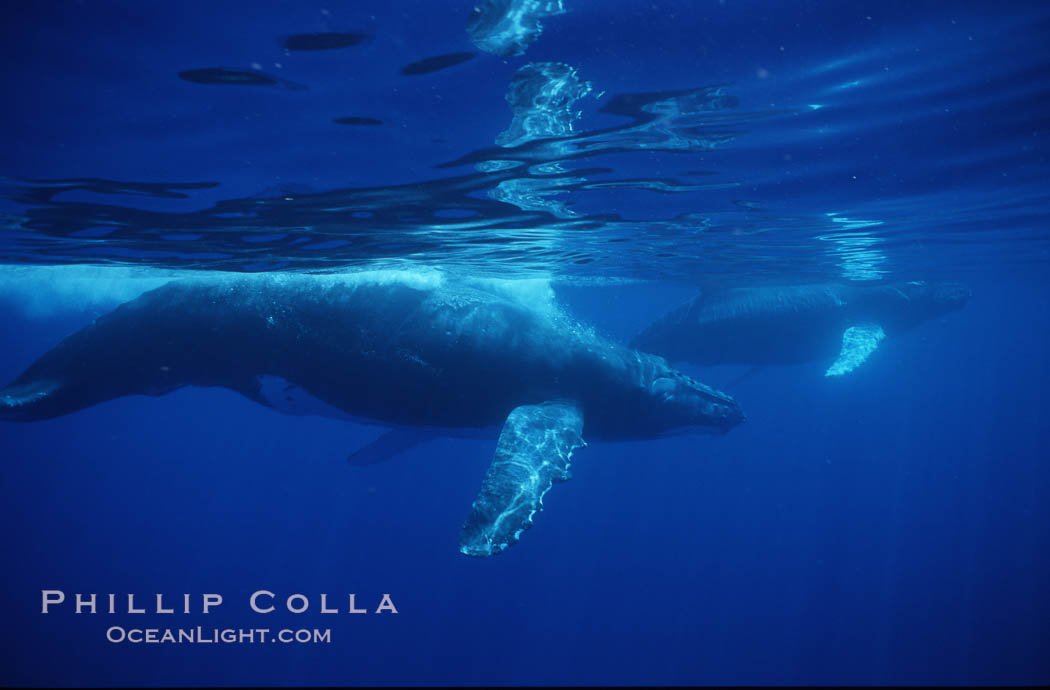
(941, 297)
(915, 302)
(684, 405)
(950, 296)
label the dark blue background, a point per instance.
(889, 527)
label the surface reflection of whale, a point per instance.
(424, 354)
(796, 324)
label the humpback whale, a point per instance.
(797, 323)
(423, 356)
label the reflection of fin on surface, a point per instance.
(232, 77)
(358, 121)
(436, 63)
(393, 442)
(532, 453)
(858, 342)
(507, 27)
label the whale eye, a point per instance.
(662, 386)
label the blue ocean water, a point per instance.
(885, 527)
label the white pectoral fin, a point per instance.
(858, 342)
(533, 451)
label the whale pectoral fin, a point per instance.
(391, 443)
(532, 453)
(858, 342)
(743, 377)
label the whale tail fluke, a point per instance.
(99, 362)
(28, 401)
(75, 374)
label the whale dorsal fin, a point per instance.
(858, 342)
(389, 444)
(533, 451)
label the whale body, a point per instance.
(795, 324)
(440, 357)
